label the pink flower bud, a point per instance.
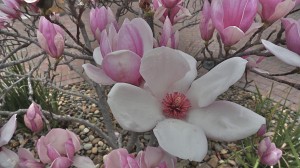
(11, 8)
(262, 130)
(268, 153)
(33, 118)
(100, 19)
(51, 37)
(170, 3)
(169, 37)
(271, 10)
(292, 34)
(206, 27)
(233, 18)
(27, 159)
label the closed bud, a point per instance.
(268, 153)
(33, 118)
(51, 38)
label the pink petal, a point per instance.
(25, 154)
(98, 58)
(97, 74)
(122, 66)
(226, 121)
(70, 149)
(59, 43)
(159, 12)
(188, 143)
(8, 158)
(282, 9)
(116, 158)
(231, 35)
(158, 68)
(134, 108)
(7, 130)
(61, 162)
(155, 155)
(283, 54)
(105, 44)
(83, 162)
(42, 41)
(206, 89)
(52, 152)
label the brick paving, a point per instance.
(190, 42)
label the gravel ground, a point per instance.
(95, 147)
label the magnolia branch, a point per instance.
(67, 119)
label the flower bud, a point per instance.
(268, 153)
(100, 18)
(33, 118)
(169, 37)
(262, 130)
(50, 36)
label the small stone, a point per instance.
(91, 137)
(223, 151)
(81, 127)
(86, 130)
(94, 150)
(95, 141)
(100, 143)
(213, 162)
(87, 146)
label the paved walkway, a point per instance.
(189, 42)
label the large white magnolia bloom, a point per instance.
(183, 110)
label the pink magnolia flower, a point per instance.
(151, 157)
(27, 159)
(171, 8)
(292, 34)
(58, 148)
(171, 103)
(272, 10)
(33, 118)
(51, 37)
(233, 19)
(11, 8)
(169, 38)
(268, 153)
(120, 53)
(206, 26)
(285, 55)
(8, 158)
(100, 19)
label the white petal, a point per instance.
(158, 68)
(226, 121)
(181, 139)
(97, 74)
(134, 108)
(283, 54)
(8, 158)
(183, 84)
(97, 56)
(8, 129)
(206, 89)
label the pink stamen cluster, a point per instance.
(176, 105)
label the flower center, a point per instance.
(175, 105)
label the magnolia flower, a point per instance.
(233, 19)
(33, 118)
(151, 157)
(51, 37)
(100, 18)
(58, 148)
(285, 55)
(169, 37)
(183, 110)
(268, 153)
(8, 158)
(120, 53)
(206, 27)
(292, 34)
(270, 10)
(27, 159)
(11, 8)
(171, 8)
